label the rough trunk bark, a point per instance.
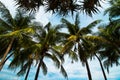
(88, 70)
(5, 54)
(101, 67)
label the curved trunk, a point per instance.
(101, 67)
(5, 54)
(38, 69)
(27, 72)
(88, 70)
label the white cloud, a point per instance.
(10, 4)
(6, 74)
(42, 16)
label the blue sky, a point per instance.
(75, 71)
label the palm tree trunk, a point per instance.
(87, 65)
(88, 70)
(27, 72)
(5, 54)
(38, 69)
(101, 67)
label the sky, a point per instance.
(75, 70)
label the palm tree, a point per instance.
(22, 57)
(62, 6)
(95, 45)
(110, 52)
(75, 39)
(46, 38)
(13, 30)
(114, 9)
(90, 7)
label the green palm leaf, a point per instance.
(5, 14)
(44, 68)
(62, 70)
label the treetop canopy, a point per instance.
(62, 7)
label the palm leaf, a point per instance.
(113, 10)
(93, 24)
(89, 7)
(88, 29)
(54, 59)
(3, 23)
(68, 25)
(95, 39)
(44, 68)
(64, 73)
(5, 14)
(23, 69)
(77, 21)
(18, 32)
(73, 55)
(67, 47)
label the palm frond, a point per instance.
(95, 39)
(73, 55)
(29, 5)
(18, 32)
(88, 29)
(23, 69)
(56, 61)
(114, 9)
(68, 46)
(64, 73)
(77, 21)
(68, 25)
(5, 14)
(44, 68)
(4, 24)
(90, 7)
(93, 24)
(56, 50)
(61, 7)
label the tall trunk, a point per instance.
(38, 69)
(27, 72)
(88, 70)
(5, 54)
(101, 67)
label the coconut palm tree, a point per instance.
(95, 45)
(13, 30)
(110, 52)
(44, 47)
(75, 40)
(47, 39)
(62, 6)
(22, 58)
(114, 9)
